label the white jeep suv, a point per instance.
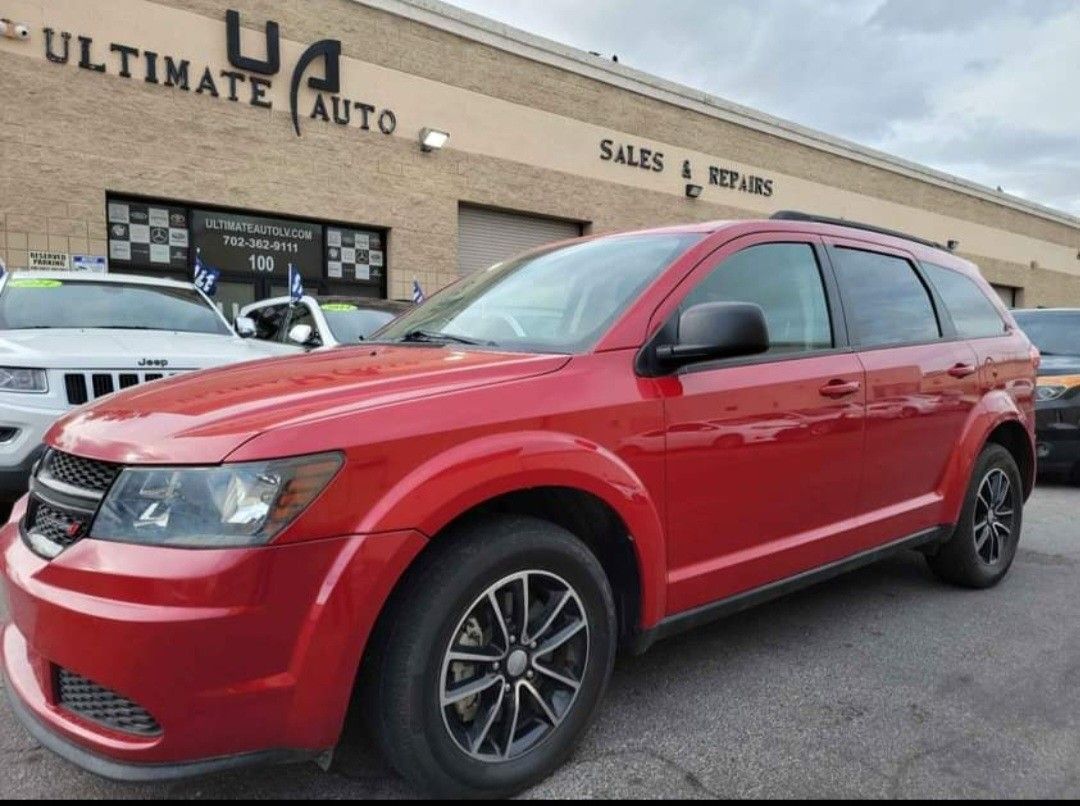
(68, 339)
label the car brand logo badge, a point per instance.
(153, 362)
(119, 230)
(178, 220)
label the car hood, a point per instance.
(1059, 365)
(104, 348)
(203, 417)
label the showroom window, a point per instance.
(251, 250)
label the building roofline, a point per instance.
(451, 19)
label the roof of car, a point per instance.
(788, 221)
(86, 277)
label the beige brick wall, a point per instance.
(77, 135)
(381, 38)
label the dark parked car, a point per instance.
(1056, 332)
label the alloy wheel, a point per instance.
(514, 665)
(994, 516)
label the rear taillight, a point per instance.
(1036, 357)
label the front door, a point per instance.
(764, 455)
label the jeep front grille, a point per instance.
(82, 387)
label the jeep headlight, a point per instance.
(211, 507)
(20, 379)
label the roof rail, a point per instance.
(795, 215)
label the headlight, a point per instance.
(211, 507)
(1050, 392)
(18, 379)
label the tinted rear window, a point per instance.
(974, 315)
(885, 301)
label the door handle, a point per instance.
(963, 370)
(836, 389)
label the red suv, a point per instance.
(590, 447)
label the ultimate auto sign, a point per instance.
(250, 82)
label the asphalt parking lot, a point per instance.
(882, 683)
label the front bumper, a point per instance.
(1057, 435)
(18, 454)
(239, 655)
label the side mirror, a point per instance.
(717, 330)
(301, 334)
(245, 327)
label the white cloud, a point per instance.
(985, 89)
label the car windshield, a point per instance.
(1054, 332)
(350, 323)
(34, 303)
(558, 301)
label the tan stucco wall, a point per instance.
(68, 135)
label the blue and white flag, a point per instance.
(417, 292)
(296, 284)
(206, 278)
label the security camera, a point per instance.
(14, 30)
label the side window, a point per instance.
(785, 280)
(973, 314)
(269, 322)
(301, 315)
(885, 300)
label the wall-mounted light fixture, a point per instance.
(433, 139)
(694, 191)
(953, 245)
(14, 30)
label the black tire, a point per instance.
(409, 669)
(963, 560)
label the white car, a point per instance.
(324, 322)
(67, 339)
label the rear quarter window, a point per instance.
(973, 314)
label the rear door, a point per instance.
(764, 454)
(922, 383)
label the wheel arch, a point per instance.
(538, 473)
(996, 419)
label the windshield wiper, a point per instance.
(437, 336)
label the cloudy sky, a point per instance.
(985, 89)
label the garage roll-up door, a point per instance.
(487, 237)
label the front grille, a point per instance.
(86, 474)
(82, 387)
(60, 528)
(76, 389)
(103, 384)
(96, 703)
(65, 493)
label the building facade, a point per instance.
(253, 134)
